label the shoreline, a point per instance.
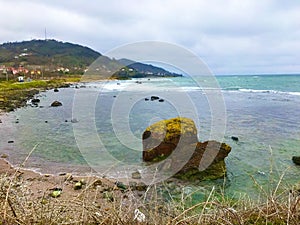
(14, 95)
(63, 190)
(40, 182)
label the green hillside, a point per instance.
(49, 53)
(51, 57)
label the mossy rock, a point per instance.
(207, 162)
(168, 129)
(214, 171)
(163, 137)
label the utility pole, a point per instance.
(6, 74)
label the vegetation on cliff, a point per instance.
(15, 94)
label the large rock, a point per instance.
(192, 160)
(206, 163)
(161, 138)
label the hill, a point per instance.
(50, 57)
(146, 70)
(49, 53)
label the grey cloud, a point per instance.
(233, 36)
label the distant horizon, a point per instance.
(261, 74)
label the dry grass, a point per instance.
(102, 204)
(18, 207)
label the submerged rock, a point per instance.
(153, 98)
(296, 160)
(189, 159)
(74, 120)
(56, 104)
(35, 101)
(234, 138)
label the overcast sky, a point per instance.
(231, 36)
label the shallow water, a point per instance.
(263, 111)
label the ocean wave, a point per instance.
(258, 91)
(263, 91)
(232, 88)
(149, 86)
(294, 93)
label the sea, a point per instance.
(99, 127)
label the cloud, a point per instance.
(232, 36)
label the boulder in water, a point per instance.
(56, 104)
(192, 160)
(234, 138)
(162, 138)
(35, 101)
(153, 98)
(296, 160)
(196, 169)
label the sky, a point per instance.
(230, 36)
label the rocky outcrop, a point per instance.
(161, 138)
(206, 159)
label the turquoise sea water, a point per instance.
(262, 111)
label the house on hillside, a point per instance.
(20, 78)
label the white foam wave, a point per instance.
(294, 93)
(269, 91)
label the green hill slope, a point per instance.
(47, 52)
(52, 57)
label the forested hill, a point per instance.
(50, 57)
(47, 52)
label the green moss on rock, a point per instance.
(163, 137)
(214, 171)
(192, 160)
(174, 127)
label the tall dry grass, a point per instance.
(18, 207)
